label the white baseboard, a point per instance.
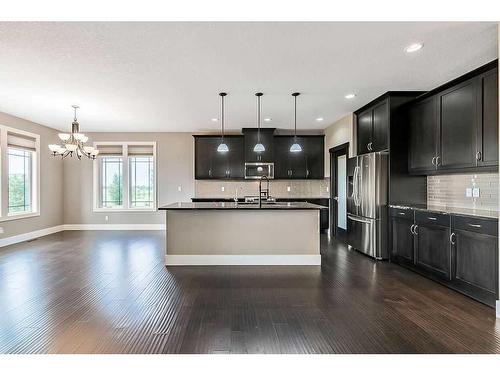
(30, 235)
(58, 228)
(114, 227)
(242, 260)
(498, 309)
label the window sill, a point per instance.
(10, 217)
(124, 210)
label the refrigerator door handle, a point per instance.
(353, 218)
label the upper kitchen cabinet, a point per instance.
(423, 122)
(487, 131)
(251, 138)
(454, 128)
(210, 164)
(373, 127)
(458, 117)
(307, 164)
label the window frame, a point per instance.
(4, 176)
(96, 206)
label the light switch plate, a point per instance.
(468, 192)
(288, 188)
(106, 218)
(475, 192)
(179, 188)
(327, 189)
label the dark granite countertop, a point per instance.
(241, 206)
(488, 214)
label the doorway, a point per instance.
(338, 191)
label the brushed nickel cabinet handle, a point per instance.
(437, 160)
(452, 236)
(411, 229)
(475, 225)
(415, 230)
(433, 161)
(478, 155)
(431, 218)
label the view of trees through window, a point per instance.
(141, 181)
(19, 189)
(111, 182)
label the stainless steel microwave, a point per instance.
(258, 170)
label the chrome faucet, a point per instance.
(265, 192)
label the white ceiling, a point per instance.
(166, 76)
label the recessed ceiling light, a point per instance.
(319, 119)
(350, 96)
(267, 119)
(414, 47)
(215, 119)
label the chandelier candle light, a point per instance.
(74, 142)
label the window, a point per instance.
(141, 181)
(124, 176)
(19, 174)
(19, 190)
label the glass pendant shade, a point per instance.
(95, 152)
(54, 148)
(71, 147)
(259, 147)
(222, 148)
(88, 149)
(64, 136)
(295, 147)
(79, 136)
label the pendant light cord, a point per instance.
(258, 118)
(222, 95)
(295, 119)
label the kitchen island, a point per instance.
(228, 233)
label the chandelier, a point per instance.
(74, 142)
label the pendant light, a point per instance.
(222, 147)
(259, 147)
(295, 147)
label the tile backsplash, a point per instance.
(450, 190)
(279, 188)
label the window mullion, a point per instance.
(125, 178)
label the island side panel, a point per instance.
(243, 237)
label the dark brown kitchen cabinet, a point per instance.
(487, 134)
(403, 249)
(475, 257)
(432, 243)
(423, 122)
(455, 128)
(373, 128)
(307, 164)
(458, 124)
(210, 164)
(251, 138)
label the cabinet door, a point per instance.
(236, 158)
(458, 126)
(314, 149)
(488, 124)
(475, 264)
(364, 131)
(204, 149)
(402, 240)
(298, 160)
(251, 139)
(380, 126)
(423, 121)
(281, 157)
(432, 249)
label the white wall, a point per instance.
(175, 167)
(339, 132)
(51, 182)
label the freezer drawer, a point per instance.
(368, 236)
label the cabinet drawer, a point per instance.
(402, 213)
(432, 218)
(477, 225)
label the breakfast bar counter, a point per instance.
(228, 233)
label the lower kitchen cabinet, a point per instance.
(475, 258)
(458, 251)
(432, 243)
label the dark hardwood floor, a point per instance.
(109, 292)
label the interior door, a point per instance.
(339, 191)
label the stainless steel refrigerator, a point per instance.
(367, 193)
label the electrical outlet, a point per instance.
(288, 188)
(179, 188)
(327, 189)
(475, 192)
(468, 192)
(222, 188)
(106, 218)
